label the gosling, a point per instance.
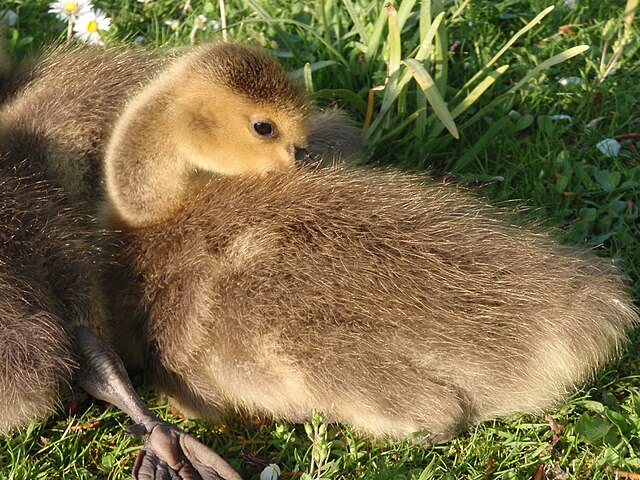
(398, 306)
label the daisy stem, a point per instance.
(69, 28)
(223, 21)
(192, 35)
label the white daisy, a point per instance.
(88, 26)
(65, 9)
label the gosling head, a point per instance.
(237, 112)
(222, 109)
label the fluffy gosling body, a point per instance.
(48, 288)
(69, 98)
(54, 120)
(392, 306)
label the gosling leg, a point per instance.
(169, 452)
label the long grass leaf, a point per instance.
(502, 100)
(295, 74)
(395, 84)
(282, 35)
(394, 40)
(425, 44)
(401, 126)
(336, 54)
(506, 47)
(561, 57)
(471, 98)
(458, 11)
(495, 128)
(508, 95)
(441, 66)
(392, 88)
(477, 92)
(421, 120)
(326, 30)
(425, 19)
(519, 33)
(376, 36)
(308, 77)
(357, 24)
(404, 11)
(629, 13)
(434, 98)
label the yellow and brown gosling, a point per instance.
(394, 305)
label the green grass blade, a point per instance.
(502, 100)
(441, 70)
(477, 92)
(425, 44)
(507, 96)
(425, 19)
(376, 36)
(326, 29)
(400, 128)
(394, 40)
(300, 72)
(336, 54)
(460, 9)
(519, 33)
(434, 98)
(308, 77)
(392, 90)
(428, 31)
(629, 13)
(357, 24)
(405, 9)
(394, 84)
(471, 98)
(495, 129)
(343, 94)
(421, 119)
(507, 45)
(561, 57)
(282, 35)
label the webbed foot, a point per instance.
(170, 453)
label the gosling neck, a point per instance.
(147, 180)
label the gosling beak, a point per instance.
(303, 157)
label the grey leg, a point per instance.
(169, 452)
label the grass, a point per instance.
(510, 146)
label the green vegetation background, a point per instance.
(512, 147)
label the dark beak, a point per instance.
(303, 157)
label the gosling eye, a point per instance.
(263, 128)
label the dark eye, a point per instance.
(264, 128)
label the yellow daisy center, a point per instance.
(92, 26)
(71, 7)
